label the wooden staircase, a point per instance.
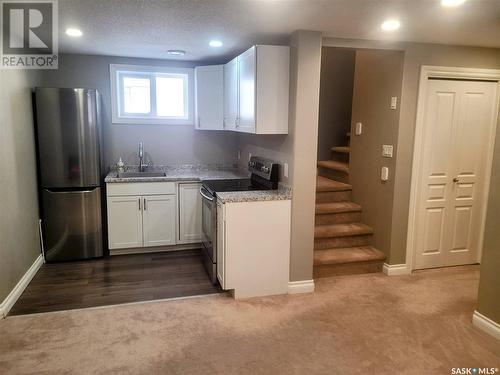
(342, 243)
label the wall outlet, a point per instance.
(285, 170)
(387, 151)
(358, 129)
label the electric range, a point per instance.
(264, 176)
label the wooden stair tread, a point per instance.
(337, 207)
(342, 149)
(341, 230)
(347, 255)
(325, 184)
(334, 165)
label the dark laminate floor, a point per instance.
(115, 280)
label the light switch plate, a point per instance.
(358, 130)
(384, 174)
(394, 102)
(387, 151)
(285, 170)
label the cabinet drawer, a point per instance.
(140, 188)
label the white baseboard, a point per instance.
(396, 269)
(486, 324)
(155, 249)
(15, 293)
(303, 286)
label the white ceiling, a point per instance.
(147, 28)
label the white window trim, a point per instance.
(117, 119)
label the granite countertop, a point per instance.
(283, 193)
(182, 173)
(200, 173)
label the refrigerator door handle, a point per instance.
(70, 191)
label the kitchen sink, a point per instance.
(141, 174)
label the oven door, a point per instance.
(209, 223)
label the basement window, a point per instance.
(151, 95)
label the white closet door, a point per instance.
(457, 127)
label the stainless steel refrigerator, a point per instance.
(67, 125)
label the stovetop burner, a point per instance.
(220, 186)
(265, 176)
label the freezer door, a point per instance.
(72, 225)
(68, 137)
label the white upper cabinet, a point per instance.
(209, 93)
(247, 81)
(262, 90)
(231, 94)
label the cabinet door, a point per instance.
(247, 80)
(125, 222)
(231, 94)
(209, 92)
(221, 246)
(189, 213)
(159, 220)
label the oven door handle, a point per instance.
(204, 195)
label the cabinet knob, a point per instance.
(455, 179)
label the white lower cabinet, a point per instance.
(253, 247)
(221, 250)
(158, 220)
(124, 222)
(141, 220)
(190, 207)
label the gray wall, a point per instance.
(19, 240)
(164, 144)
(417, 55)
(489, 285)
(298, 148)
(378, 77)
(335, 100)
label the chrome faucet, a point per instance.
(142, 165)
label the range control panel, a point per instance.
(264, 168)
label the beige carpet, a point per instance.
(367, 324)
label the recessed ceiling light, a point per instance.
(390, 25)
(74, 32)
(215, 43)
(176, 52)
(452, 3)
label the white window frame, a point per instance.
(117, 98)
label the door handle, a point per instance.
(139, 204)
(206, 196)
(145, 207)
